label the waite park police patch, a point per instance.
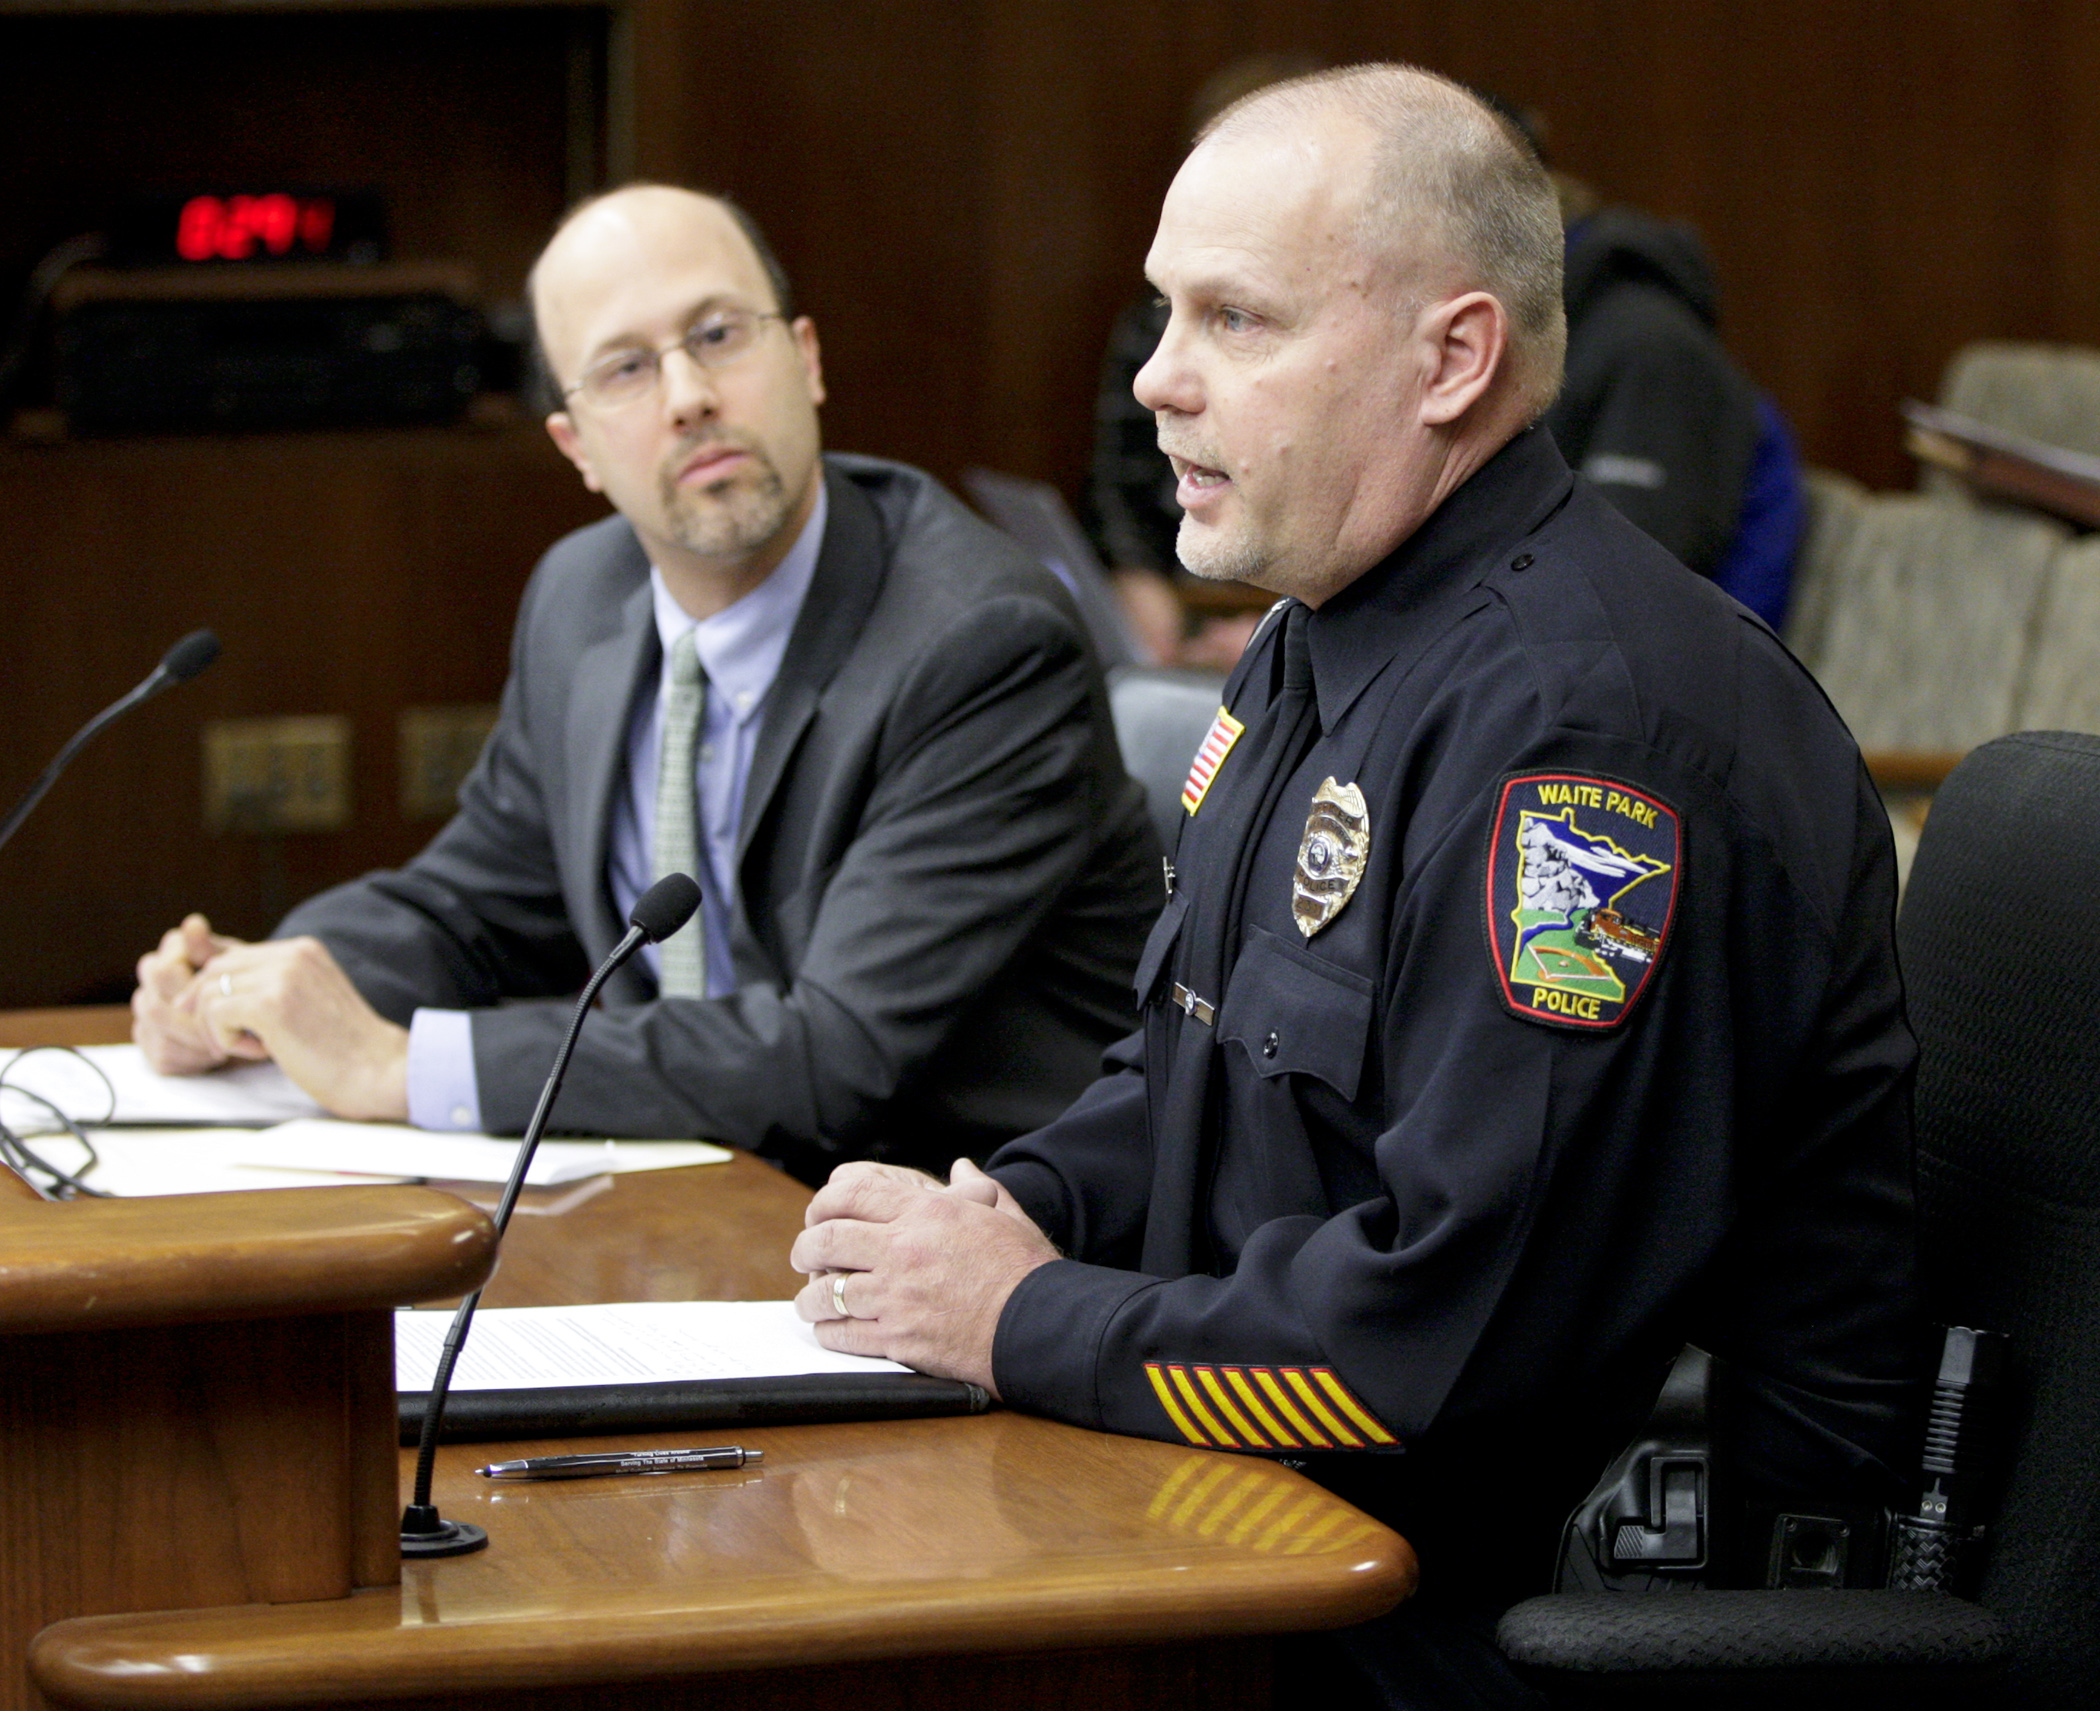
(1582, 877)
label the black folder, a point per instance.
(589, 1410)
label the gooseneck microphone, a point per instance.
(663, 909)
(179, 664)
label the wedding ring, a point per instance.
(838, 1293)
(226, 986)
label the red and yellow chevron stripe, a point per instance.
(1224, 732)
(1264, 1407)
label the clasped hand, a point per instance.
(204, 999)
(927, 1269)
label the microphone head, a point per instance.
(188, 657)
(665, 907)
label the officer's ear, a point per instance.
(1463, 341)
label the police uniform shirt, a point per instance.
(1526, 1004)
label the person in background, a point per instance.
(867, 723)
(1660, 417)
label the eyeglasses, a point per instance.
(715, 341)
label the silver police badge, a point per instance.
(1331, 857)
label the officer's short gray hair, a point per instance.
(1451, 171)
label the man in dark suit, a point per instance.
(868, 724)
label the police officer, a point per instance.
(1525, 1000)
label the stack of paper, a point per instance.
(639, 1342)
(392, 1149)
(241, 1095)
(249, 1127)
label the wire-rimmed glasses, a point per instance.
(715, 341)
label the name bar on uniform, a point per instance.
(1201, 1008)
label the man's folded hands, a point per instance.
(905, 1268)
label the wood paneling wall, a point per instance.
(966, 187)
(351, 573)
(964, 190)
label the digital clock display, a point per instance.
(236, 228)
(260, 225)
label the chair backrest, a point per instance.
(1036, 515)
(1927, 613)
(2046, 392)
(1161, 718)
(2000, 939)
(1836, 503)
(2062, 688)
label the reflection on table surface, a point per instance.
(997, 1534)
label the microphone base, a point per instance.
(425, 1533)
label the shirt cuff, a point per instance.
(442, 1090)
(1046, 1352)
(1041, 1195)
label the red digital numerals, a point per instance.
(243, 228)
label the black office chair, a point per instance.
(2000, 940)
(1036, 515)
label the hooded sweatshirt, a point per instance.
(1653, 411)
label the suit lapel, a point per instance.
(842, 591)
(608, 676)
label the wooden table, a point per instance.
(996, 1561)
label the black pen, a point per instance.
(622, 1461)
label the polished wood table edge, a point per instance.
(91, 1265)
(183, 1659)
(444, 1632)
(69, 1025)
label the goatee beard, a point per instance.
(731, 516)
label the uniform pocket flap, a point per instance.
(1295, 1014)
(1164, 932)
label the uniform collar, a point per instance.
(1397, 605)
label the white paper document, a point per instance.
(322, 1152)
(136, 1162)
(641, 1342)
(243, 1095)
(395, 1150)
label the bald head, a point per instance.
(1450, 195)
(630, 227)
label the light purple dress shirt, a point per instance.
(740, 649)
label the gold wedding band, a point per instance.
(838, 1293)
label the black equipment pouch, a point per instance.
(1647, 1525)
(1651, 1522)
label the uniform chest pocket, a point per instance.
(1154, 956)
(1294, 1015)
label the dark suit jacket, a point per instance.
(944, 874)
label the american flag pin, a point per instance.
(1224, 732)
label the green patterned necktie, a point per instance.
(682, 958)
